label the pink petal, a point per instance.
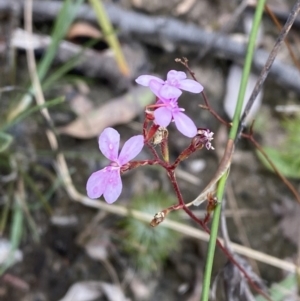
(95, 185)
(113, 186)
(109, 143)
(131, 149)
(163, 116)
(144, 80)
(169, 92)
(185, 125)
(178, 75)
(155, 86)
(190, 85)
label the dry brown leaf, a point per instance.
(81, 104)
(80, 29)
(96, 248)
(140, 289)
(184, 7)
(116, 111)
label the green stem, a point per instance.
(232, 135)
(15, 234)
(109, 35)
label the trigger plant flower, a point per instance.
(167, 92)
(170, 88)
(107, 181)
(168, 111)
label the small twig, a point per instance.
(112, 272)
(212, 111)
(238, 221)
(184, 62)
(227, 243)
(88, 230)
(278, 173)
(278, 25)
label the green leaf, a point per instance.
(30, 111)
(286, 157)
(282, 290)
(284, 162)
(63, 21)
(57, 74)
(5, 141)
(15, 235)
(149, 246)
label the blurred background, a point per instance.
(61, 84)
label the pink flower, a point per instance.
(206, 136)
(169, 111)
(107, 181)
(171, 88)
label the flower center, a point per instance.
(173, 82)
(172, 105)
(113, 166)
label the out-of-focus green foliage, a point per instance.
(16, 209)
(149, 247)
(110, 35)
(5, 141)
(283, 290)
(15, 234)
(286, 158)
(62, 23)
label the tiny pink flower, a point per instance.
(171, 88)
(169, 111)
(206, 136)
(107, 181)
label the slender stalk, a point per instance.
(15, 232)
(232, 136)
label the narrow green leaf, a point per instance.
(30, 182)
(15, 235)
(5, 141)
(5, 210)
(36, 108)
(233, 132)
(110, 35)
(57, 74)
(63, 21)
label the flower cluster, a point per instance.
(107, 181)
(205, 136)
(167, 93)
